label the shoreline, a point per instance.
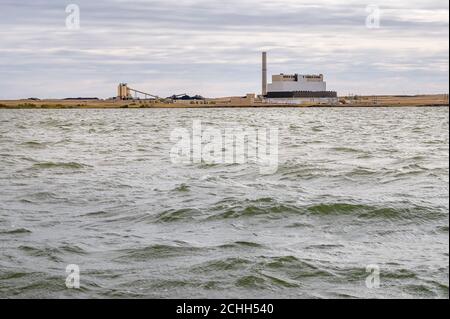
(386, 101)
(96, 107)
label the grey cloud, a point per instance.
(180, 45)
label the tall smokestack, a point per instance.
(264, 73)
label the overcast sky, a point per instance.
(212, 47)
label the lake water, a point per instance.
(97, 188)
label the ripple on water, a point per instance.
(103, 180)
(269, 208)
(156, 251)
(242, 244)
(177, 215)
(262, 272)
(30, 284)
(34, 145)
(51, 254)
(17, 231)
(375, 212)
(59, 165)
(182, 188)
(40, 197)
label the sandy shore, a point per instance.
(358, 101)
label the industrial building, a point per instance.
(123, 92)
(295, 88)
(285, 89)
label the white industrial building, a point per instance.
(297, 82)
(296, 88)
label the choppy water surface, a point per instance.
(97, 188)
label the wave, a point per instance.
(230, 263)
(324, 246)
(386, 211)
(262, 272)
(345, 149)
(156, 251)
(183, 188)
(242, 244)
(176, 215)
(54, 254)
(251, 210)
(17, 231)
(48, 253)
(72, 250)
(60, 165)
(38, 197)
(100, 213)
(266, 206)
(30, 284)
(326, 209)
(443, 229)
(34, 144)
(295, 171)
(270, 208)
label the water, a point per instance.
(97, 188)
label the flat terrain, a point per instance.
(398, 100)
(353, 101)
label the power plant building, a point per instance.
(297, 82)
(296, 88)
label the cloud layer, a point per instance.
(212, 47)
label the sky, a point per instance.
(213, 47)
